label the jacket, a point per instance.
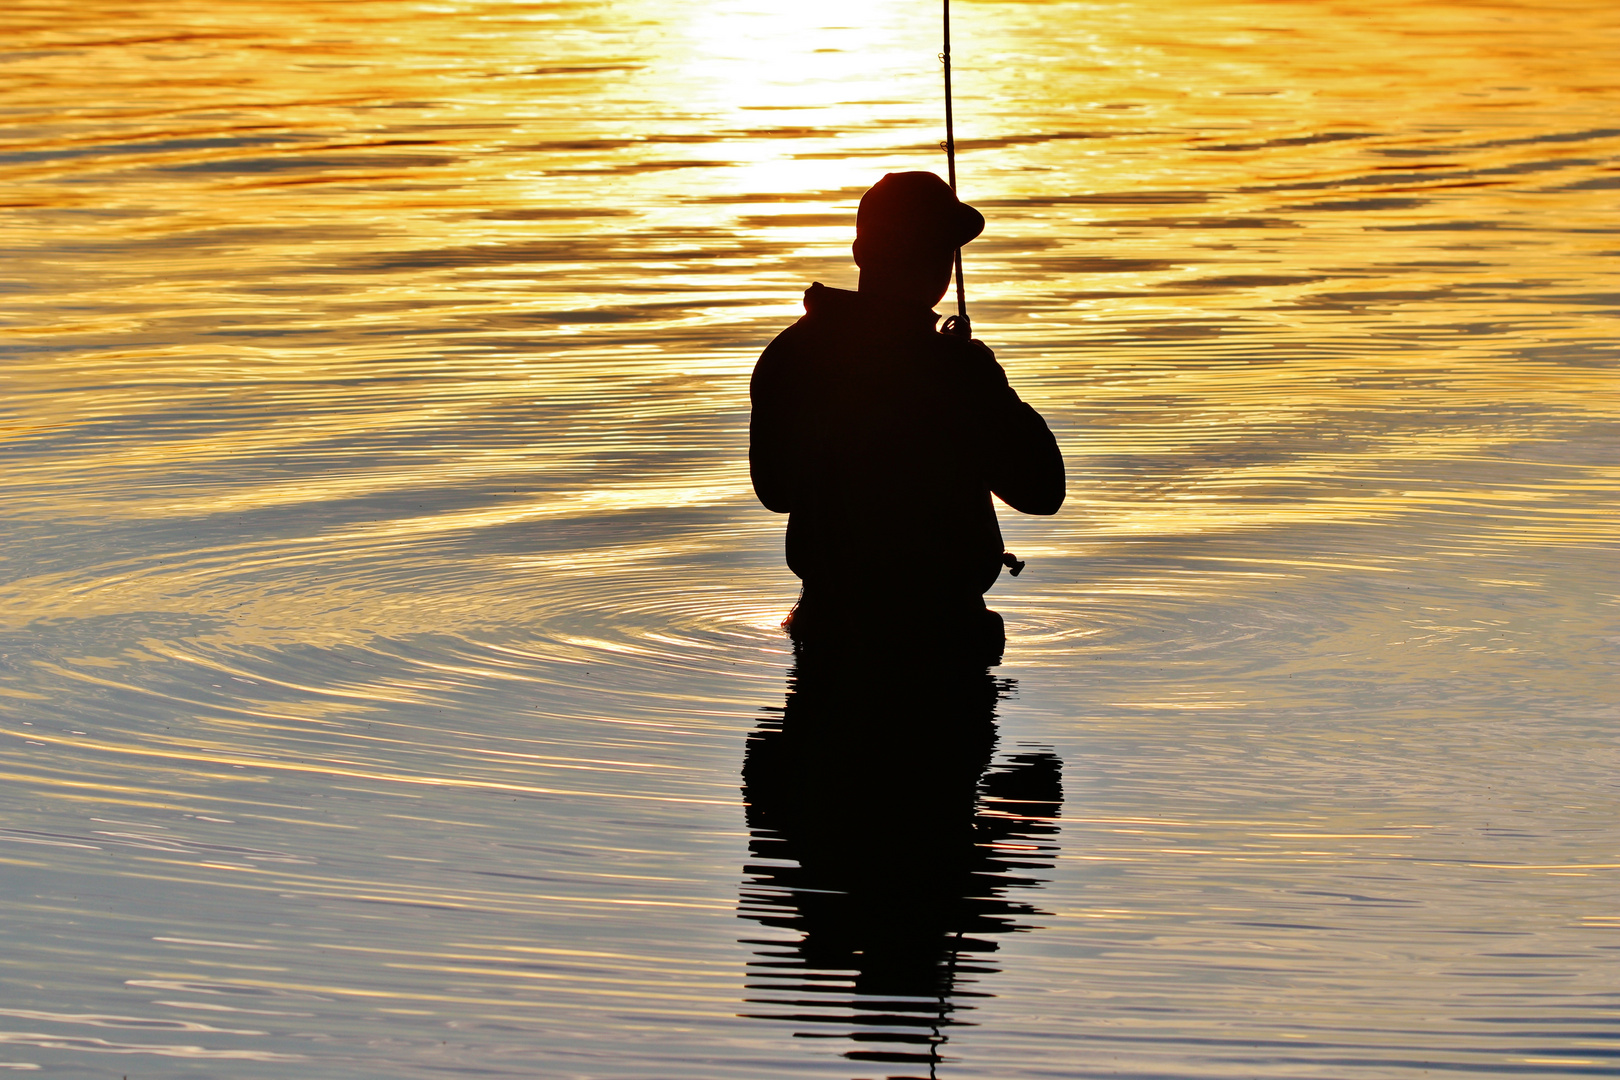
(884, 440)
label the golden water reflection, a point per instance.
(385, 609)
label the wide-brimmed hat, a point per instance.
(915, 209)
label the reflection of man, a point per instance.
(891, 849)
(884, 439)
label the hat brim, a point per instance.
(969, 224)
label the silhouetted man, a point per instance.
(884, 439)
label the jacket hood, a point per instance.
(822, 302)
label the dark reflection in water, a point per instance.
(887, 833)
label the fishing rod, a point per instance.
(958, 324)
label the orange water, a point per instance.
(382, 367)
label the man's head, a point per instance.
(906, 230)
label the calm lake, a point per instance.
(390, 669)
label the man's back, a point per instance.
(884, 440)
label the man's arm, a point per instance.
(770, 462)
(1025, 464)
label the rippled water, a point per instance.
(387, 633)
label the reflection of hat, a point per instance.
(912, 209)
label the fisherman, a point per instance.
(883, 438)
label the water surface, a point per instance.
(391, 682)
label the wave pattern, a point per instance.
(389, 664)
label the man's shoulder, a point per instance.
(970, 357)
(784, 348)
(786, 354)
(826, 310)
